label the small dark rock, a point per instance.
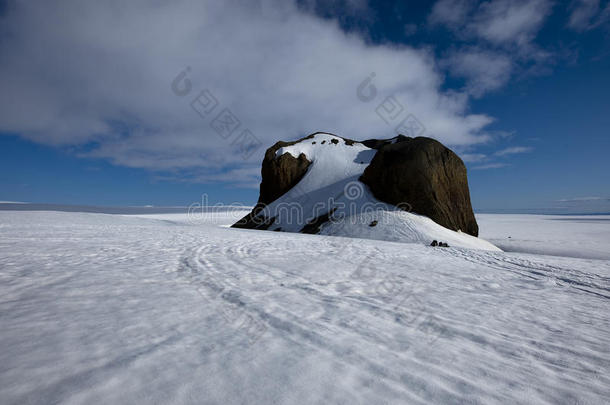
(313, 225)
(313, 143)
(434, 243)
(323, 142)
(335, 141)
(373, 223)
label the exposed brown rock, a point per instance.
(253, 221)
(378, 143)
(420, 172)
(281, 173)
(426, 175)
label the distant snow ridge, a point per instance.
(329, 198)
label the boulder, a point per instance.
(419, 173)
(426, 175)
(279, 174)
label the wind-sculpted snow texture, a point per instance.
(116, 309)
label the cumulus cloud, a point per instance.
(97, 76)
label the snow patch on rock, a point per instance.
(331, 185)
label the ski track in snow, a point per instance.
(123, 309)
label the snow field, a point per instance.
(159, 309)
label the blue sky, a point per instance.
(519, 89)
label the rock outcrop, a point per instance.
(428, 176)
(279, 174)
(418, 172)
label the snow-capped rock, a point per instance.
(314, 186)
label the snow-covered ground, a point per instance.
(98, 308)
(585, 236)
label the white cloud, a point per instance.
(584, 199)
(484, 71)
(586, 15)
(241, 177)
(499, 22)
(514, 150)
(501, 40)
(491, 166)
(344, 6)
(452, 13)
(510, 21)
(473, 157)
(98, 74)
(479, 157)
(582, 13)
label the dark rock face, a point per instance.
(426, 175)
(378, 143)
(312, 226)
(279, 175)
